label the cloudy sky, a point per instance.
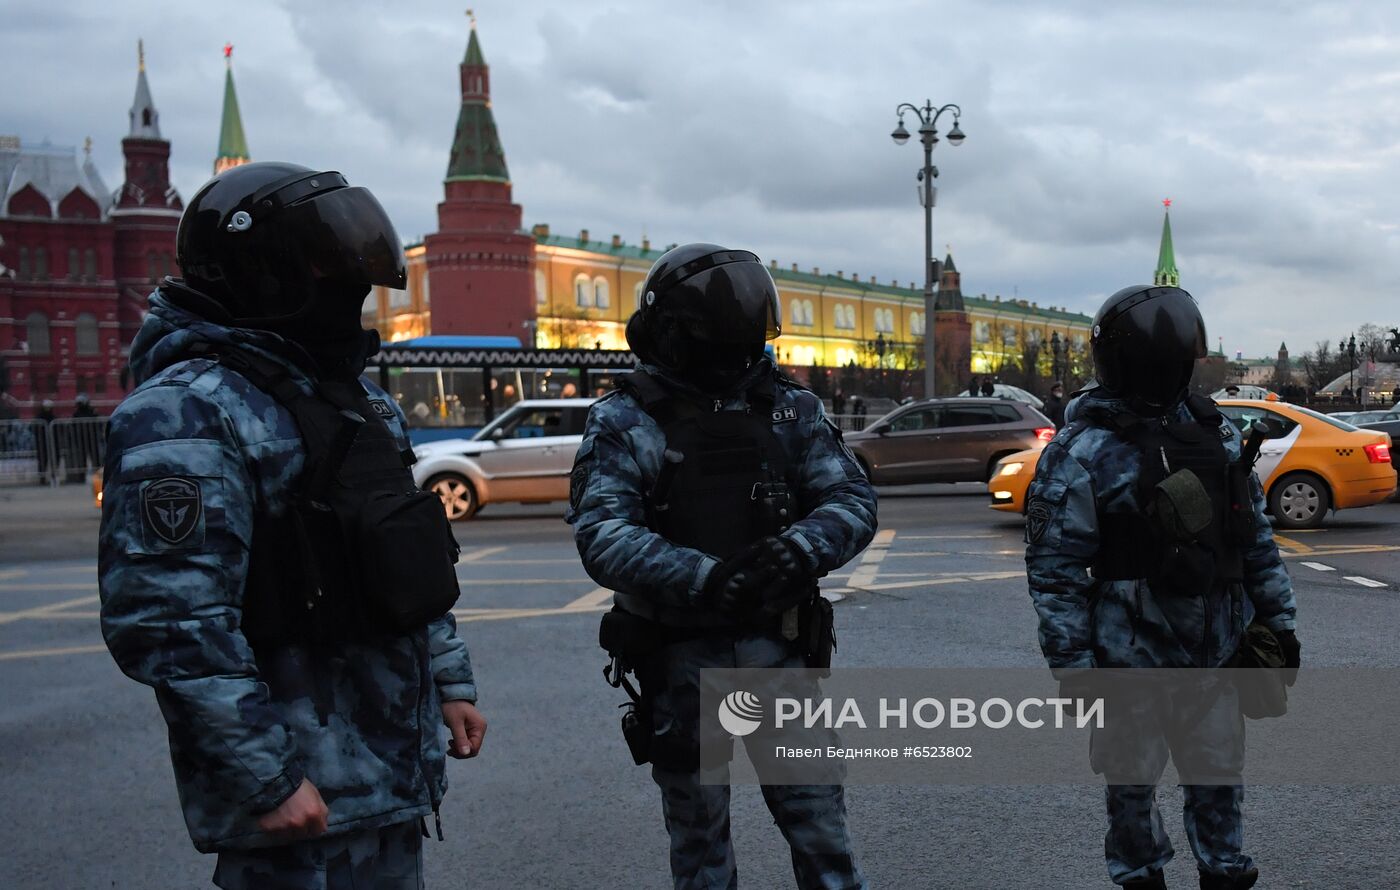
(1273, 126)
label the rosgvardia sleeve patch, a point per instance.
(172, 510)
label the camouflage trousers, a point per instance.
(812, 818)
(1199, 727)
(388, 858)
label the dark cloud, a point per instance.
(1275, 128)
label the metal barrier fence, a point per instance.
(37, 452)
(850, 423)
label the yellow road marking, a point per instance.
(45, 611)
(945, 537)
(1297, 547)
(904, 554)
(479, 581)
(1344, 549)
(525, 562)
(504, 614)
(44, 653)
(966, 579)
(484, 552)
(869, 567)
(600, 596)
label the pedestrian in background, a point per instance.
(988, 388)
(1054, 407)
(42, 452)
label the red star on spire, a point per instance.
(1166, 202)
(228, 50)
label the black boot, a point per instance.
(1242, 881)
(1154, 881)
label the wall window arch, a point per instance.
(90, 264)
(541, 288)
(24, 270)
(982, 332)
(795, 313)
(809, 314)
(38, 333)
(73, 268)
(41, 263)
(601, 298)
(916, 324)
(86, 334)
(583, 292)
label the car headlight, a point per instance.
(1010, 469)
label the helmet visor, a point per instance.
(735, 303)
(345, 235)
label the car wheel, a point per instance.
(456, 493)
(1299, 500)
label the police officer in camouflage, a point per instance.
(710, 492)
(1119, 583)
(266, 565)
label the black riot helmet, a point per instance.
(1146, 341)
(706, 312)
(261, 240)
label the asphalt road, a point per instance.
(554, 802)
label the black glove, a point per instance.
(734, 586)
(1292, 654)
(1078, 682)
(785, 565)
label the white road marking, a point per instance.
(1319, 567)
(1364, 582)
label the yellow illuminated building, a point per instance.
(585, 291)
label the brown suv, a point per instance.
(947, 440)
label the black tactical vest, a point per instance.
(363, 552)
(1193, 510)
(724, 481)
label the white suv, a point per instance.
(524, 455)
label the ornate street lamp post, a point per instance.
(1349, 347)
(928, 134)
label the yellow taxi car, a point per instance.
(1314, 464)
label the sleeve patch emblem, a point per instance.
(172, 508)
(1037, 520)
(382, 408)
(785, 415)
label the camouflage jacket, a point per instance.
(618, 462)
(362, 722)
(1085, 470)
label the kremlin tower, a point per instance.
(479, 260)
(1166, 274)
(146, 210)
(233, 147)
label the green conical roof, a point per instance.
(1166, 274)
(232, 144)
(476, 148)
(474, 56)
